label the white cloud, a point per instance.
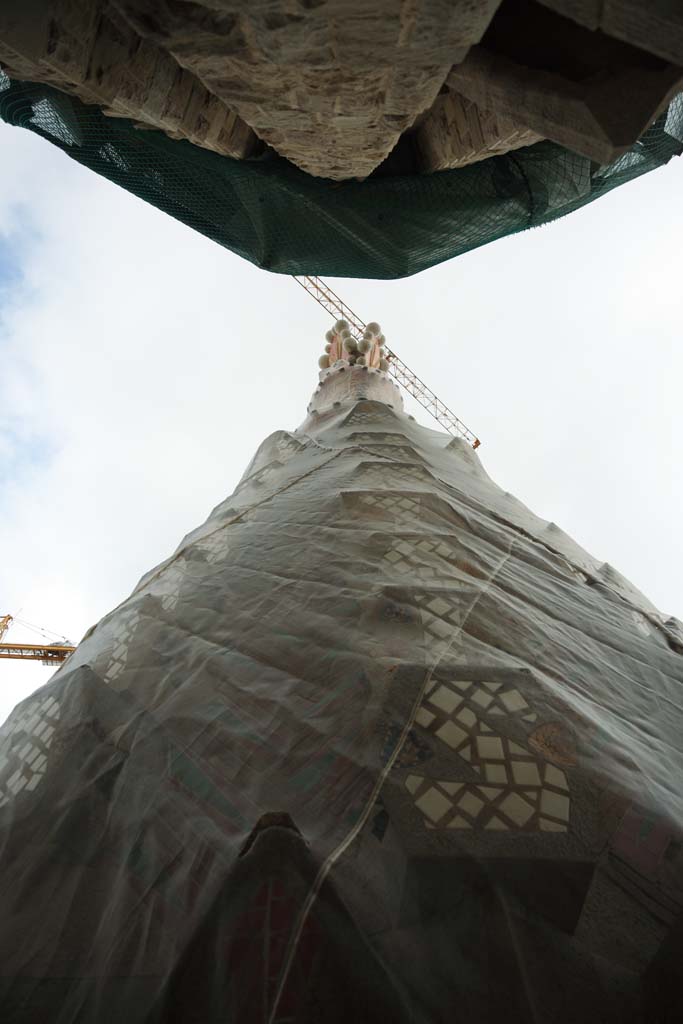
(141, 365)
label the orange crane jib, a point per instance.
(47, 653)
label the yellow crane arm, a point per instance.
(47, 653)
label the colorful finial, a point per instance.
(342, 344)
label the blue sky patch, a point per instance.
(11, 273)
(21, 454)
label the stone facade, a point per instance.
(585, 90)
(374, 712)
(456, 132)
(88, 49)
(334, 85)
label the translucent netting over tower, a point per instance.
(374, 744)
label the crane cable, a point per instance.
(46, 633)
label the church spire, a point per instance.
(366, 350)
(354, 368)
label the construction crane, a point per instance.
(48, 654)
(330, 301)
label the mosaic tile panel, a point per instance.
(400, 508)
(366, 415)
(517, 789)
(428, 558)
(415, 510)
(171, 582)
(408, 555)
(392, 474)
(377, 437)
(125, 626)
(402, 559)
(443, 614)
(24, 743)
(393, 452)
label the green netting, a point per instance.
(284, 220)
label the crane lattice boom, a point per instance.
(49, 654)
(330, 301)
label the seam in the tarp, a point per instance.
(341, 848)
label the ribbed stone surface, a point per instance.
(88, 49)
(456, 132)
(333, 84)
(584, 90)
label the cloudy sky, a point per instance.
(141, 365)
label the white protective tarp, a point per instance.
(375, 744)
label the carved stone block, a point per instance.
(456, 132)
(582, 89)
(86, 48)
(330, 86)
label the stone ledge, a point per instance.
(457, 132)
(331, 87)
(89, 50)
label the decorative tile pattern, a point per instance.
(400, 508)
(414, 510)
(377, 437)
(407, 557)
(366, 415)
(450, 804)
(170, 599)
(396, 474)
(125, 627)
(215, 546)
(517, 789)
(24, 743)
(442, 616)
(394, 453)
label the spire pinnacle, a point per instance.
(356, 349)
